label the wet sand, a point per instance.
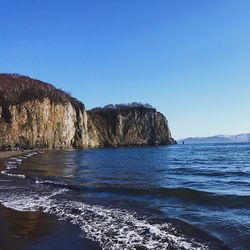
(36, 230)
(4, 155)
(39, 231)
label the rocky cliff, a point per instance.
(36, 114)
(128, 126)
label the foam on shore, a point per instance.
(13, 163)
(112, 228)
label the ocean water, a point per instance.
(173, 197)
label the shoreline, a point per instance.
(7, 154)
(37, 230)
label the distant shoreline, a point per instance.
(239, 138)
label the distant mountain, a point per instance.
(218, 139)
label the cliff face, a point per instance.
(35, 114)
(128, 126)
(42, 123)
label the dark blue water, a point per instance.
(176, 197)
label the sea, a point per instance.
(164, 197)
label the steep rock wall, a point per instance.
(36, 114)
(43, 123)
(131, 126)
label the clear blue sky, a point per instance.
(188, 58)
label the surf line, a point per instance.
(14, 162)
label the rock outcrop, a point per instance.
(36, 114)
(128, 127)
(42, 123)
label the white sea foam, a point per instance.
(113, 229)
(11, 166)
(31, 154)
(4, 172)
(13, 162)
(45, 182)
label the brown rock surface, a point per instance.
(127, 127)
(36, 114)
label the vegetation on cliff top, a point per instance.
(16, 89)
(123, 106)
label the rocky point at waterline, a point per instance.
(36, 114)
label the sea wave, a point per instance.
(57, 184)
(113, 228)
(185, 194)
(14, 162)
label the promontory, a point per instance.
(35, 114)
